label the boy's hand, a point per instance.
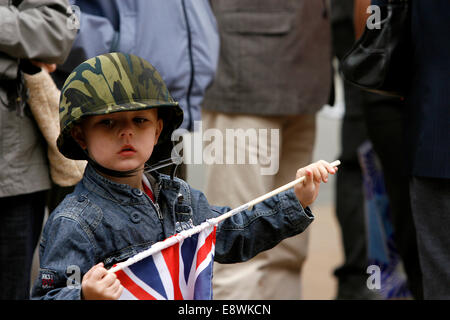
(99, 284)
(307, 191)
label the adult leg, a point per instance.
(233, 185)
(280, 268)
(266, 276)
(350, 211)
(430, 203)
(385, 118)
(20, 227)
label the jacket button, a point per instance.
(137, 192)
(135, 217)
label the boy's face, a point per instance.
(120, 141)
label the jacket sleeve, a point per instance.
(63, 260)
(244, 235)
(36, 30)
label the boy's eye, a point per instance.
(106, 122)
(139, 120)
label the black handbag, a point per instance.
(380, 61)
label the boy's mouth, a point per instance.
(127, 150)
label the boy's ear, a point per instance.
(159, 128)
(78, 136)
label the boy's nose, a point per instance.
(126, 130)
(126, 133)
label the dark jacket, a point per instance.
(28, 30)
(428, 107)
(275, 57)
(103, 221)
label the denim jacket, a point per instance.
(103, 221)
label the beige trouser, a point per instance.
(273, 274)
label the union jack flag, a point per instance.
(180, 272)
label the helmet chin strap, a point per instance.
(129, 173)
(111, 172)
(114, 173)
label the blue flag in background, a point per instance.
(382, 251)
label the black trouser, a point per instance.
(384, 117)
(350, 214)
(351, 275)
(383, 121)
(431, 211)
(20, 227)
(383, 124)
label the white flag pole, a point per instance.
(159, 246)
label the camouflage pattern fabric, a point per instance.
(108, 83)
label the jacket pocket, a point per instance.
(264, 23)
(256, 5)
(257, 49)
(260, 35)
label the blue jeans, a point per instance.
(20, 226)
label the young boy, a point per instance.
(115, 109)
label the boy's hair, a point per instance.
(109, 83)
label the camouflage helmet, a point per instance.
(108, 83)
